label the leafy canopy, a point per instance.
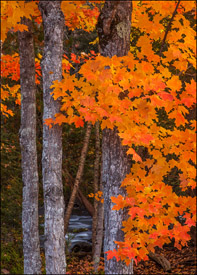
(130, 93)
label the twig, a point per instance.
(168, 28)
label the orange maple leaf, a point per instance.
(111, 254)
(136, 157)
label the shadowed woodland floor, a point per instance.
(182, 262)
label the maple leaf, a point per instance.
(146, 138)
(174, 83)
(106, 124)
(60, 118)
(130, 201)
(189, 101)
(136, 210)
(49, 122)
(191, 88)
(78, 122)
(166, 96)
(111, 254)
(20, 27)
(120, 202)
(136, 157)
(143, 252)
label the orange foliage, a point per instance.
(79, 14)
(10, 69)
(127, 92)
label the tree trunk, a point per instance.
(99, 231)
(114, 25)
(78, 176)
(53, 21)
(31, 243)
(99, 235)
(96, 184)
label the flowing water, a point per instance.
(79, 236)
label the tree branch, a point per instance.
(168, 28)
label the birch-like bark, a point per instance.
(114, 26)
(31, 244)
(53, 22)
(78, 176)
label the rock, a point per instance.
(5, 271)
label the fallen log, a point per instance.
(161, 260)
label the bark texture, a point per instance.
(161, 260)
(114, 25)
(96, 183)
(31, 243)
(53, 21)
(99, 230)
(99, 235)
(115, 166)
(78, 176)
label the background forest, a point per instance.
(82, 44)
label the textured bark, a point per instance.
(99, 231)
(78, 176)
(53, 21)
(115, 166)
(161, 260)
(31, 243)
(96, 183)
(114, 25)
(99, 235)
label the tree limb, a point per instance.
(168, 28)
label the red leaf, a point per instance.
(166, 96)
(136, 157)
(189, 101)
(111, 254)
(78, 122)
(146, 138)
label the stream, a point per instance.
(79, 236)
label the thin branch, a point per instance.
(78, 176)
(168, 28)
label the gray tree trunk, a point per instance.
(99, 234)
(114, 25)
(96, 184)
(31, 244)
(99, 230)
(53, 21)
